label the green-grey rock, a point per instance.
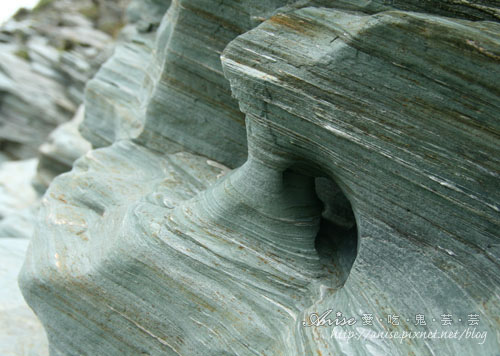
(18, 199)
(400, 109)
(153, 83)
(57, 155)
(21, 333)
(47, 55)
(370, 185)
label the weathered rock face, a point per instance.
(407, 129)
(117, 97)
(31, 106)
(63, 147)
(154, 83)
(18, 199)
(21, 334)
(47, 56)
(369, 187)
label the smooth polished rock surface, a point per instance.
(56, 156)
(153, 83)
(131, 185)
(400, 109)
(169, 72)
(370, 186)
(117, 97)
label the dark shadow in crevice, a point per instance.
(337, 239)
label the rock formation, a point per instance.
(21, 334)
(18, 198)
(363, 142)
(56, 156)
(47, 56)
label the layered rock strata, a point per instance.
(47, 56)
(368, 186)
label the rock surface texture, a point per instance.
(64, 146)
(362, 141)
(21, 334)
(47, 55)
(18, 198)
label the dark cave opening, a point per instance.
(337, 238)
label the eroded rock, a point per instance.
(18, 199)
(63, 147)
(358, 193)
(21, 333)
(47, 56)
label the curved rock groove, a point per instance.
(363, 121)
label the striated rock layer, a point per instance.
(46, 57)
(18, 199)
(153, 84)
(21, 333)
(409, 130)
(57, 155)
(368, 185)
